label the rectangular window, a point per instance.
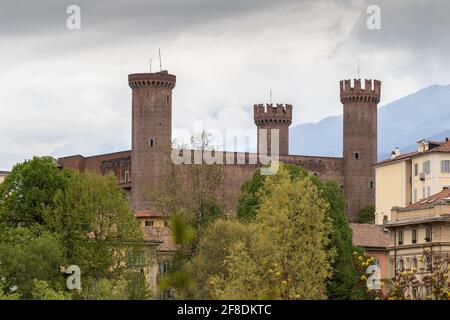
(149, 223)
(428, 234)
(423, 192)
(428, 191)
(426, 167)
(416, 169)
(400, 237)
(445, 166)
(415, 195)
(414, 235)
(127, 176)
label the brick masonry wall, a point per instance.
(360, 143)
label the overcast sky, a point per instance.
(65, 92)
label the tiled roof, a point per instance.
(431, 201)
(398, 158)
(163, 234)
(443, 146)
(417, 220)
(148, 214)
(369, 235)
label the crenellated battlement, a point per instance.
(370, 93)
(160, 79)
(270, 113)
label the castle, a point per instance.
(142, 167)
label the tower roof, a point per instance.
(281, 113)
(356, 93)
(161, 79)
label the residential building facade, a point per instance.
(415, 229)
(374, 239)
(408, 178)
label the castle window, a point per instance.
(356, 155)
(167, 97)
(127, 176)
(416, 169)
(149, 223)
(371, 184)
(151, 142)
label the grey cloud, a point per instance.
(66, 92)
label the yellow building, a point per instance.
(417, 228)
(408, 178)
(155, 227)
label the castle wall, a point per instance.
(234, 175)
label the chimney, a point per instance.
(395, 153)
(446, 139)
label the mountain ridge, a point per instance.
(424, 114)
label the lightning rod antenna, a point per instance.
(160, 61)
(358, 68)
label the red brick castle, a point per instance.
(142, 167)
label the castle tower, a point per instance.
(151, 132)
(360, 142)
(269, 117)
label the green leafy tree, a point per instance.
(366, 215)
(96, 225)
(27, 255)
(343, 280)
(212, 251)
(7, 293)
(344, 276)
(42, 291)
(289, 255)
(28, 190)
(52, 218)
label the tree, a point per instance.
(28, 190)
(288, 256)
(42, 291)
(213, 248)
(344, 275)
(96, 225)
(30, 254)
(53, 218)
(366, 215)
(343, 279)
(7, 293)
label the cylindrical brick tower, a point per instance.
(151, 132)
(360, 142)
(269, 117)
